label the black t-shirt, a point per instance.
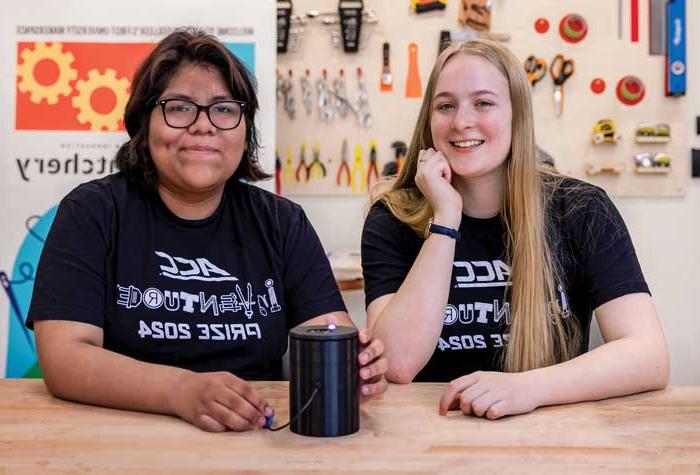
(589, 239)
(217, 294)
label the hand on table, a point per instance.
(219, 401)
(491, 394)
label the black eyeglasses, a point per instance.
(181, 113)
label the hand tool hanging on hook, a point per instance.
(317, 170)
(302, 171)
(325, 105)
(536, 68)
(343, 168)
(372, 171)
(561, 70)
(358, 168)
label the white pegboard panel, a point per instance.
(567, 138)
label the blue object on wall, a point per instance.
(21, 353)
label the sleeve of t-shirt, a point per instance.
(610, 265)
(386, 260)
(309, 285)
(70, 280)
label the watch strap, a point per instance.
(444, 230)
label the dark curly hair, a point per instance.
(151, 79)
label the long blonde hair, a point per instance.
(539, 334)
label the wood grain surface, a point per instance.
(401, 433)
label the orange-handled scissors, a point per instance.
(535, 68)
(561, 70)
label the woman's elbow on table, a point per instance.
(58, 345)
(663, 369)
(400, 372)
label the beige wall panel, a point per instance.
(566, 138)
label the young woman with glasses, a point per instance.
(166, 286)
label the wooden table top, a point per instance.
(400, 433)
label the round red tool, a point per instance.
(573, 28)
(630, 90)
(541, 25)
(598, 85)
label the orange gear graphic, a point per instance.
(85, 88)
(28, 83)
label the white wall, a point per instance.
(666, 233)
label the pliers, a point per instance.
(316, 168)
(343, 169)
(302, 168)
(372, 172)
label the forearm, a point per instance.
(620, 367)
(411, 322)
(87, 373)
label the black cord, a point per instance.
(317, 387)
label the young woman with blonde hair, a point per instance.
(483, 266)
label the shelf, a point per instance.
(652, 139)
(593, 170)
(356, 284)
(653, 170)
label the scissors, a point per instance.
(561, 70)
(536, 68)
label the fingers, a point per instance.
(373, 387)
(365, 336)
(482, 404)
(235, 403)
(247, 392)
(430, 156)
(373, 365)
(377, 368)
(467, 397)
(433, 173)
(497, 410)
(446, 170)
(225, 416)
(209, 424)
(453, 389)
(371, 352)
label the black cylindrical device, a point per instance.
(324, 358)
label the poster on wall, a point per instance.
(65, 79)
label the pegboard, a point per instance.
(567, 138)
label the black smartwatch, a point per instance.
(444, 230)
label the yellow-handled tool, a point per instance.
(358, 183)
(288, 174)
